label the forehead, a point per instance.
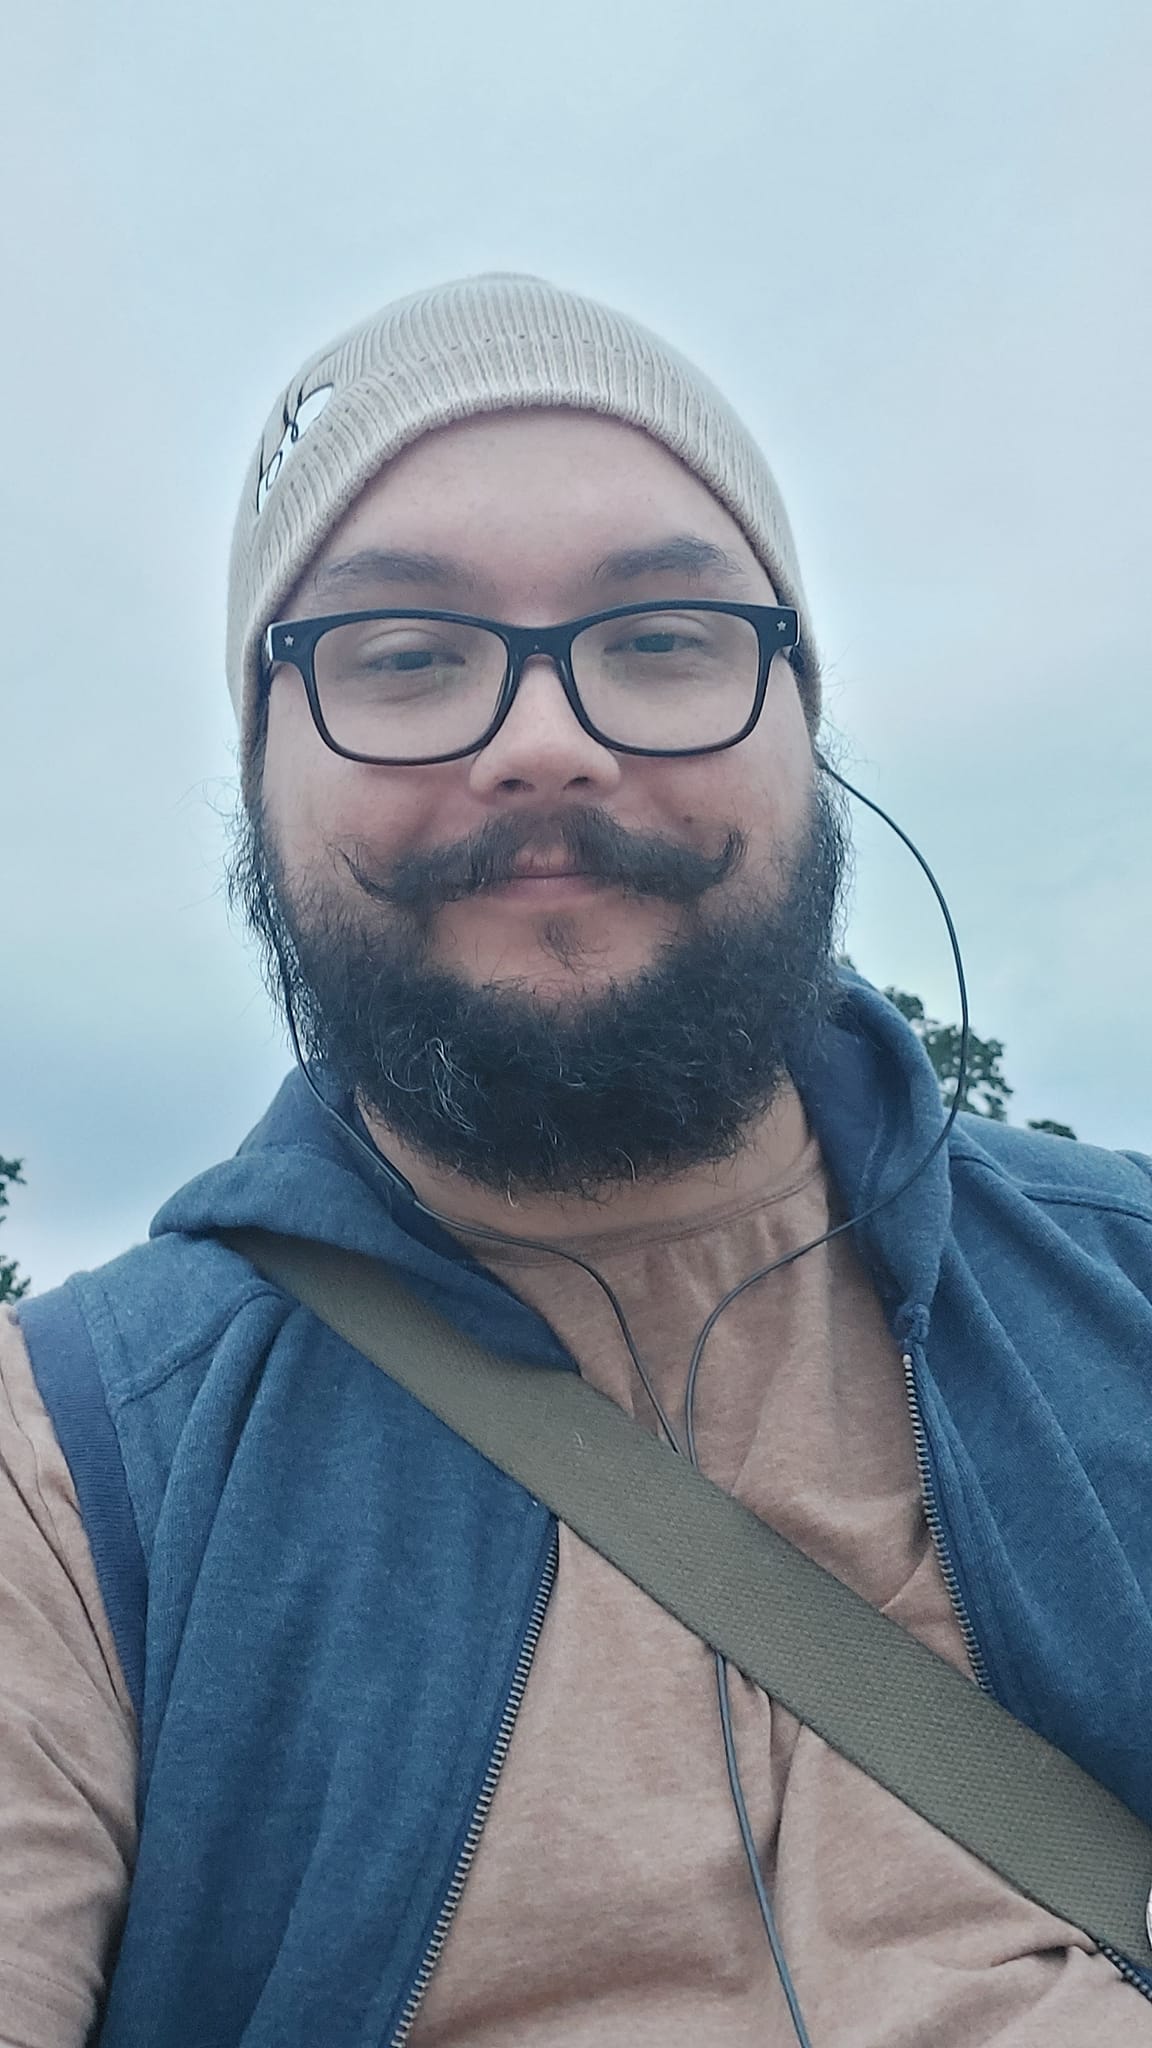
(551, 494)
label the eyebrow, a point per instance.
(684, 554)
(392, 565)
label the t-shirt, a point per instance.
(609, 1900)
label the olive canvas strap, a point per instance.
(869, 1689)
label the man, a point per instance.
(317, 1729)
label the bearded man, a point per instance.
(319, 1728)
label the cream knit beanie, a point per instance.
(483, 344)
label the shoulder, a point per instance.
(119, 1359)
(41, 1519)
(159, 1309)
(1055, 1205)
(1053, 1170)
(68, 1744)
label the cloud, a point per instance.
(906, 242)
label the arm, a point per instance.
(67, 1739)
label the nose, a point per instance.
(542, 751)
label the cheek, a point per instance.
(777, 769)
(763, 786)
(314, 799)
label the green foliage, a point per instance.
(986, 1091)
(11, 1287)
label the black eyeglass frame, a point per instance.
(293, 642)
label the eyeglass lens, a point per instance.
(407, 688)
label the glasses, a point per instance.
(410, 689)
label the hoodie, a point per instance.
(326, 1603)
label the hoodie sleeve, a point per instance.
(67, 1738)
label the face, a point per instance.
(627, 1006)
(527, 506)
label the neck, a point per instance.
(772, 1146)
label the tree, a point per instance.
(986, 1091)
(11, 1288)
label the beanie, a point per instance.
(479, 345)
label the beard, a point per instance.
(648, 1077)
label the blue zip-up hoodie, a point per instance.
(325, 1602)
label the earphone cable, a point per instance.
(379, 1162)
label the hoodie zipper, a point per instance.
(483, 1804)
(936, 1528)
(1126, 1969)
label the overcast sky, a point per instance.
(911, 242)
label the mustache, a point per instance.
(639, 863)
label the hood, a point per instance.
(868, 1089)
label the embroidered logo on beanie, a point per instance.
(297, 420)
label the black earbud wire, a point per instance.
(379, 1163)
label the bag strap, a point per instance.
(862, 1683)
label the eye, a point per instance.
(654, 640)
(403, 661)
(411, 658)
(657, 643)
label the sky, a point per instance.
(909, 240)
